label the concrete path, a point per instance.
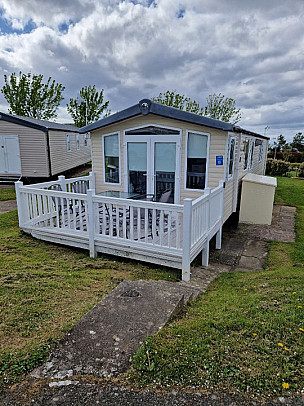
(7, 205)
(102, 342)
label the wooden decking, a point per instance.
(160, 233)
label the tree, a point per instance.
(218, 106)
(89, 108)
(298, 142)
(282, 143)
(28, 96)
(174, 99)
(222, 108)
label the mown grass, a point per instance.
(45, 289)
(246, 334)
(7, 194)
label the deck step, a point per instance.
(102, 342)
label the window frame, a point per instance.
(77, 140)
(68, 143)
(251, 153)
(228, 176)
(244, 152)
(186, 158)
(261, 152)
(104, 161)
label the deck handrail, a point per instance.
(181, 230)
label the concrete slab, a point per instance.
(102, 342)
(7, 205)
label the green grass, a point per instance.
(7, 194)
(45, 289)
(229, 339)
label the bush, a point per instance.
(276, 167)
(301, 170)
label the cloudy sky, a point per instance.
(250, 50)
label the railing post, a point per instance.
(91, 225)
(20, 203)
(218, 243)
(61, 180)
(207, 192)
(187, 223)
(92, 180)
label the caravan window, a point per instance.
(246, 153)
(251, 154)
(231, 153)
(261, 151)
(196, 164)
(111, 158)
(68, 143)
(77, 142)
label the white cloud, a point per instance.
(250, 51)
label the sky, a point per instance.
(252, 51)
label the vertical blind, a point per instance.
(165, 156)
(137, 156)
(197, 145)
(111, 146)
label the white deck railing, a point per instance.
(179, 232)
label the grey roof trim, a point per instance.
(238, 129)
(42, 125)
(147, 106)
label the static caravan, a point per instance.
(163, 183)
(150, 148)
(38, 148)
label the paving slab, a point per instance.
(7, 205)
(102, 342)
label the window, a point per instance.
(85, 140)
(261, 151)
(77, 142)
(68, 143)
(231, 152)
(197, 145)
(246, 153)
(111, 158)
(251, 154)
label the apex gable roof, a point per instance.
(43, 125)
(147, 106)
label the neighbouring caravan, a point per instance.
(38, 148)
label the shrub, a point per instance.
(276, 167)
(301, 170)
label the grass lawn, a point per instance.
(7, 194)
(45, 289)
(246, 334)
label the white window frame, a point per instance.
(186, 157)
(177, 138)
(261, 152)
(119, 159)
(230, 176)
(251, 153)
(68, 143)
(243, 163)
(77, 142)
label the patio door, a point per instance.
(152, 165)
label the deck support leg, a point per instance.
(91, 225)
(205, 254)
(187, 222)
(218, 243)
